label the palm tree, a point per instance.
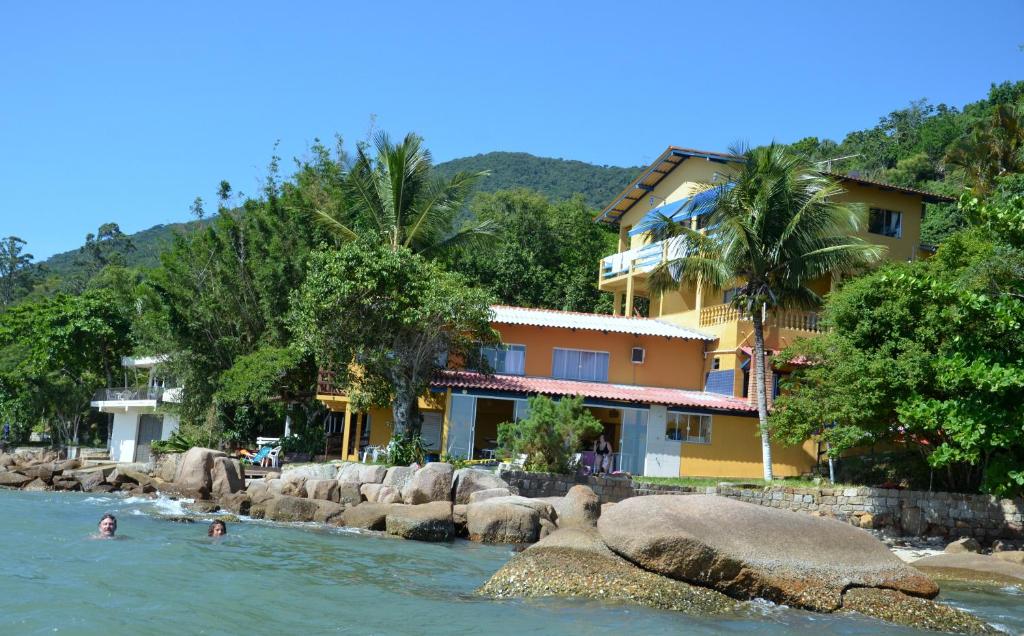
(772, 228)
(395, 197)
(993, 148)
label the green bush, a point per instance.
(550, 435)
(404, 450)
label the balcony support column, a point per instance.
(629, 293)
(345, 430)
(616, 304)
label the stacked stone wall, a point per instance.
(904, 512)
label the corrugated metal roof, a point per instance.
(595, 390)
(504, 314)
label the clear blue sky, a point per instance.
(127, 111)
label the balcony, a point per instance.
(638, 260)
(325, 383)
(807, 321)
(137, 394)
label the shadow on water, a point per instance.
(263, 578)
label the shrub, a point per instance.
(404, 450)
(550, 435)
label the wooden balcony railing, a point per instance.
(325, 383)
(808, 321)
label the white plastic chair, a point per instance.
(273, 456)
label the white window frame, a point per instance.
(566, 376)
(672, 422)
(887, 222)
(505, 347)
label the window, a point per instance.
(508, 359)
(575, 364)
(885, 222)
(716, 363)
(688, 428)
(729, 295)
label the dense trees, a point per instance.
(56, 353)
(543, 254)
(16, 271)
(928, 356)
(385, 320)
(775, 227)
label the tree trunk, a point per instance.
(762, 394)
(406, 408)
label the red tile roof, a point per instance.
(596, 390)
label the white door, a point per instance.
(461, 422)
(634, 441)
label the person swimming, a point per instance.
(107, 527)
(217, 529)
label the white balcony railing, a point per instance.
(641, 259)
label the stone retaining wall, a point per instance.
(552, 485)
(904, 512)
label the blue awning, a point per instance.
(681, 210)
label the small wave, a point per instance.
(99, 499)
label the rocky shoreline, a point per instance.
(698, 554)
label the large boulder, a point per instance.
(238, 503)
(328, 512)
(426, 522)
(370, 491)
(6, 460)
(388, 495)
(288, 508)
(749, 551)
(363, 473)
(574, 562)
(544, 509)
(433, 482)
(490, 493)
(91, 478)
(259, 491)
(966, 544)
(579, 507)
(349, 493)
(60, 482)
(324, 489)
(42, 472)
(36, 484)
(227, 476)
(494, 522)
(302, 472)
(967, 566)
(194, 471)
(13, 480)
(367, 516)
(398, 476)
(467, 481)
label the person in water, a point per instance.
(217, 529)
(602, 456)
(107, 527)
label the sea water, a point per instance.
(163, 577)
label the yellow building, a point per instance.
(670, 388)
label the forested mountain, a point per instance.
(557, 179)
(940, 148)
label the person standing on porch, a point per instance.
(602, 456)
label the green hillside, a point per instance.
(556, 178)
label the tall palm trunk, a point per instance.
(762, 393)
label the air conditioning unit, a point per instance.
(638, 355)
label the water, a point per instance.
(170, 578)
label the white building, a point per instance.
(138, 416)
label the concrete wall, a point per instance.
(126, 427)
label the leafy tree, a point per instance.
(926, 354)
(393, 197)
(551, 434)
(221, 291)
(17, 274)
(64, 348)
(992, 149)
(543, 254)
(776, 227)
(384, 319)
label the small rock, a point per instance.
(966, 544)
